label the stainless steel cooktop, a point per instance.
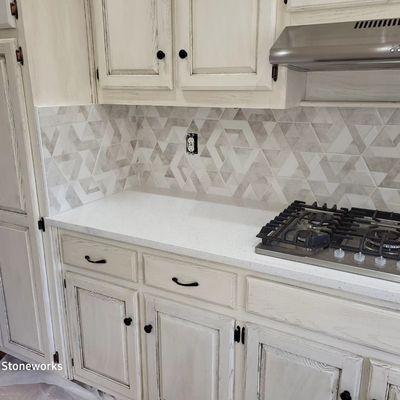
(361, 241)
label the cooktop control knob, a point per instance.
(339, 254)
(380, 262)
(359, 257)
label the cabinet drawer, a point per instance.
(215, 286)
(360, 323)
(116, 261)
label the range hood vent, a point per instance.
(357, 45)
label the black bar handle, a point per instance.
(88, 259)
(193, 284)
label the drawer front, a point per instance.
(215, 286)
(360, 323)
(116, 261)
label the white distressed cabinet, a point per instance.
(133, 43)
(7, 19)
(103, 320)
(224, 44)
(23, 288)
(190, 352)
(384, 382)
(295, 5)
(280, 366)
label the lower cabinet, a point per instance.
(103, 320)
(22, 315)
(280, 366)
(190, 352)
(384, 382)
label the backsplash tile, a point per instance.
(250, 157)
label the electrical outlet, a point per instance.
(192, 143)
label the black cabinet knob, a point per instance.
(160, 55)
(127, 321)
(148, 328)
(183, 54)
(345, 395)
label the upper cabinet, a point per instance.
(8, 11)
(295, 5)
(133, 43)
(224, 44)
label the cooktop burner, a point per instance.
(358, 240)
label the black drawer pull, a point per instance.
(193, 284)
(88, 259)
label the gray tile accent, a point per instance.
(249, 157)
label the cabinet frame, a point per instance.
(381, 377)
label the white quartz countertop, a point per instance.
(209, 231)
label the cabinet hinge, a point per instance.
(275, 69)
(19, 55)
(14, 9)
(56, 358)
(72, 362)
(65, 283)
(97, 74)
(41, 225)
(239, 334)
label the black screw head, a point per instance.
(183, 54)
(127, 321)
(148, 328)
(160, 55)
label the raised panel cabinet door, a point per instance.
(298, 5)
(224, 44)
(133, 43)
(284, 367)
(11, 178)
(190, 352)
(103, 322)
(384, 382)
(7, 20)
(21, 319)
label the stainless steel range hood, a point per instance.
(358, 45)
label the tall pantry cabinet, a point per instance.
(23, 323)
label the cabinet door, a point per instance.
(227, 43)
(6, 19)
(130, 36)
(11, 195)
(295, 5)
(384, 383)
(190, 353)
(284, 367)
(105, 349)
(22, 320)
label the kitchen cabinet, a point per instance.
(280, 366)
(104, 323)
(295, 5)
(190, 352)
(133, 43)
(384, 382)
(23, 299)
(21, 319)
(224, 44)
(7, 14)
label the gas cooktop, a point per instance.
(366, 242)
